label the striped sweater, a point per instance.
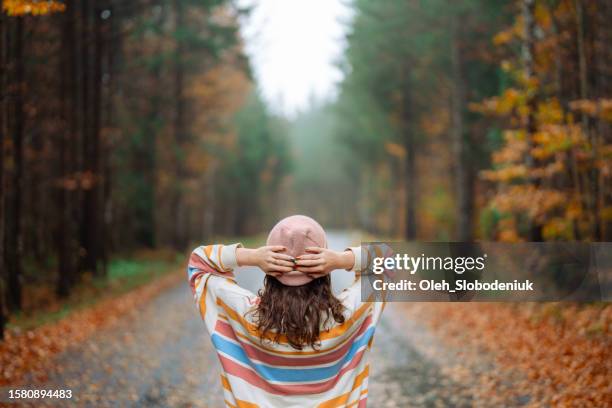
(268, 374)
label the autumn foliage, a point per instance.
(554, 167)
(123, 126)
(137, 124)
(33, 7)
(557, 355)
(479, 119)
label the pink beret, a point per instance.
(296, 233)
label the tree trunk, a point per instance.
(3, 132)
(594, 202)
(460, 151)
(108, 92)
(14, 236)
(602, 89)
(179, 131)
(91, 79)
(66, 228)
(528, 52)
(147, 161)
(209, 208)
(410, 176)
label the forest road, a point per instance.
(161, 356)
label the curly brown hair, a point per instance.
(297, 312)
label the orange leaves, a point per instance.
(551, 139)
(505, 37)
(557, 228)
(506, 174)
(550, 112)
(606, 213)
(561, 351)
(30, 352)
(514, 149)
(500, 105)
(33, 7)
(508, 231)
(395, 150)
(78, 181)
(511, 101)
(217, 94)
(548, 155)
(598, 108)
(537, 203)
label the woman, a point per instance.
(296, 344)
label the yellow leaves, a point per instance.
(585, 106)
(528, 199)
(606, 213)
(550, 111)
(509, 100)
(543, 172)
(573, 211)
(504, 37)
(508, 231)
(557, 228)
(515, 101)
(542, 16)
(510, 34)
(551, 139)
(513, 152)
(395, 150)
(598, 108)
(507, 66)
(506, 174)
(556, 143)
(501, 105)
(33, 7)
(547, 171)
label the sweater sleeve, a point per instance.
(211, 278)
(353, 296)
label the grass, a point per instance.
(123, 275)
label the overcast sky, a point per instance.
(293, 46)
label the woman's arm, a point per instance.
(270, 259)
(211, 259)
(321, 261)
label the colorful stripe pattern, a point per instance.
(260, 373)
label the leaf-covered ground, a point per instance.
(557, 354)
(29, 351)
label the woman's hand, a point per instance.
(319, 262)
(270, 259)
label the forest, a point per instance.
(132, 125)
(470, 120)
(125, 125)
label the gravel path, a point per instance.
(160, 356)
